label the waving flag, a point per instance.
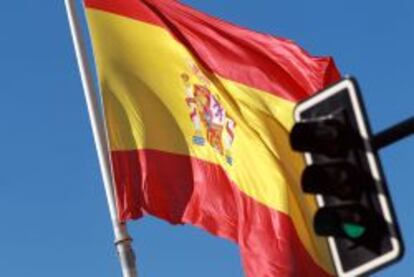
(198, 113)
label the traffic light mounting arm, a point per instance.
(394, 133)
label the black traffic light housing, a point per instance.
(344, 172)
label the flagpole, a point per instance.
(122, 238)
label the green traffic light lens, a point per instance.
(354, 231)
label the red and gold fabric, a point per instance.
(198, 113)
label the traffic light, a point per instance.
(344, 172)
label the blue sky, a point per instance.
(54, 218)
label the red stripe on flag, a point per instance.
(258, 60)
(183, 189)
(134, 9)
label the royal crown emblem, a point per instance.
(211, 122)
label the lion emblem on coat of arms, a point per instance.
(211, 122)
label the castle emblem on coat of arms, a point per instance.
(211, 123)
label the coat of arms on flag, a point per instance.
(209, 118)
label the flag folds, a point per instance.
(198, 113)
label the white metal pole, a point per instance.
(122, 238)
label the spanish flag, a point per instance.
(198, 114)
